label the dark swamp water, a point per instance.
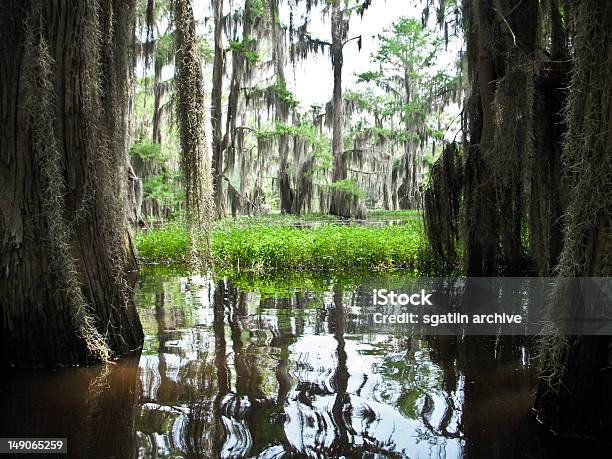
(268, 369)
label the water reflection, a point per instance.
(95, 408)
(292, 376)
(229, 372)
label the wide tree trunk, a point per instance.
(502, 61)
(574, 396)
(64, 241)
(481, 251)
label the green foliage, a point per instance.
(369, 76)
(323, 154)
(207, 53)
(408, 46)
(320, 144)
(148, 151)
(410, 80)
(400, 135)
(165, 50)
(348, 186)
(280, 87)
(257, 7)
(263, 247)
(164, 188)
(436, 133)
(244, 47)
(384, 105)
(168, 243)
(325, 248)
(429, 159)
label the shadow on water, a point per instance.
(266, 370)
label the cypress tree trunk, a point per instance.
(501, 46)
(337, 25)
(342, 204)
(64, 240)
(574, 395)
(286, 193)
(481, 222)
(217, 109)
(190, 110)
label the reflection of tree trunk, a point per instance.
(282, 341)
(477, 361)
(166, 389)
(114, 397)
(341, 407)
(223, 373)
(162, 337)
(241, 363)
(496, 397)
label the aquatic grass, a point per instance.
(261, 246)
(168, 243)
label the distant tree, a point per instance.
(342, 204)
(407, 71)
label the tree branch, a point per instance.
(358, 37)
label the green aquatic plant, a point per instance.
(348, 186)
(261, 246)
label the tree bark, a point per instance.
(217, 109)
(480, 216)
(190, 108)
(341, 203)
(574, 395)
(286, 193)
(340, 172)
(64, 239)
